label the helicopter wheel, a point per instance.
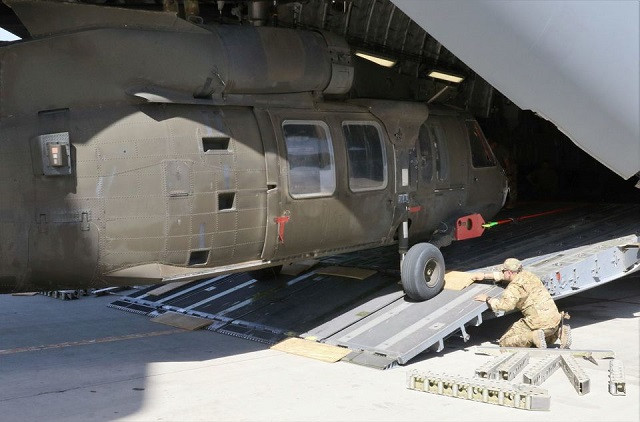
(422, 272)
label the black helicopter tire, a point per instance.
(422, 272)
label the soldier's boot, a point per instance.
(565, 336)
(539, 339)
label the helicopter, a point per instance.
(138, 146)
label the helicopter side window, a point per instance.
(310, 157)
(367, 156)
(481, 155)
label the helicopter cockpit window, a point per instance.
(367, 156)
(310, 156)
(481, 155)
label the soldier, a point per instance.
(542, 323)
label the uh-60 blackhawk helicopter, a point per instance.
(139, 146)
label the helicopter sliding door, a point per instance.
(333, 178)
(303, 198)
(368, 188)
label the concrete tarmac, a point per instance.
(81, 361)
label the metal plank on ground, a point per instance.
(355, 313)
(403, 329)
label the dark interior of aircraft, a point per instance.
(550, 167)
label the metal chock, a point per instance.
(617, 385)
(575, 374)
(490, 369)
(542, 370)
(516, 363)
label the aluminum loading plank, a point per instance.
(351, 316)
(588, 266)
(534, 352)
(404, 329)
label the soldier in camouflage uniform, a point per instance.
(541, 322)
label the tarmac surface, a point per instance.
(79, 360)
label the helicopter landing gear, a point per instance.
(422, 271)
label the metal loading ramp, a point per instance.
(571, 252)
(403, 329)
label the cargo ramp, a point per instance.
(578, 249)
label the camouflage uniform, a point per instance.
(527, 293)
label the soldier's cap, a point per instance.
(512, 264)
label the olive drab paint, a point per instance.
(167, 151)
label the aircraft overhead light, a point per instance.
(437, 74)
(382, 61)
